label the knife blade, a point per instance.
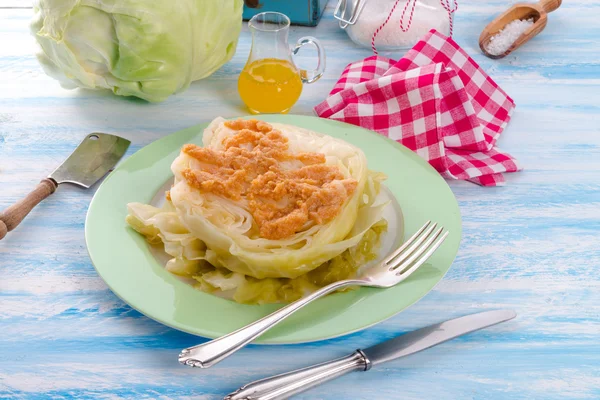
(430, 336)
(285, 385)
(90, 161)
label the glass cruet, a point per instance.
(271, 82)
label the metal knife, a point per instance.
(90, 161)
(285, 385)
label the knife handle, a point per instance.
(285, 385)
(13, 215)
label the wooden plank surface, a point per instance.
(16, 3)
(532, 245)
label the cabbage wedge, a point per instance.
(215, 238)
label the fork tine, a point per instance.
(401, 265)
(406, 244)
(414, 246)
(423, 258)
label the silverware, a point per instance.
(90, 161)
(285, 385)
(395, 268)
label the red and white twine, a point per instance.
(445, 4)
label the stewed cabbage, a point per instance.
(214, 234)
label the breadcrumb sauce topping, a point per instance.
(280, 200)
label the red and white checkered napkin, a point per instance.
(436, 101)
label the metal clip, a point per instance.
(341, 11)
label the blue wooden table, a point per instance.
(533, 245)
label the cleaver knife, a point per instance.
(90, 161)
(286, 385)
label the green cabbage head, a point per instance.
(145, 48)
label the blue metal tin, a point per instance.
(300, 12)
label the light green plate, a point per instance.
(123, 260)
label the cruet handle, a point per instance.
(313, 75)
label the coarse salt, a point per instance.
(502, 41)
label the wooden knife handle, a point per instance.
(13, 215)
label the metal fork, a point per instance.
(395, 268)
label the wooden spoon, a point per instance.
(537, 11)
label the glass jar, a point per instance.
(390, 25)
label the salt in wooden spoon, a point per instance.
(537, 11)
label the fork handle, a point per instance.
(208, 354)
